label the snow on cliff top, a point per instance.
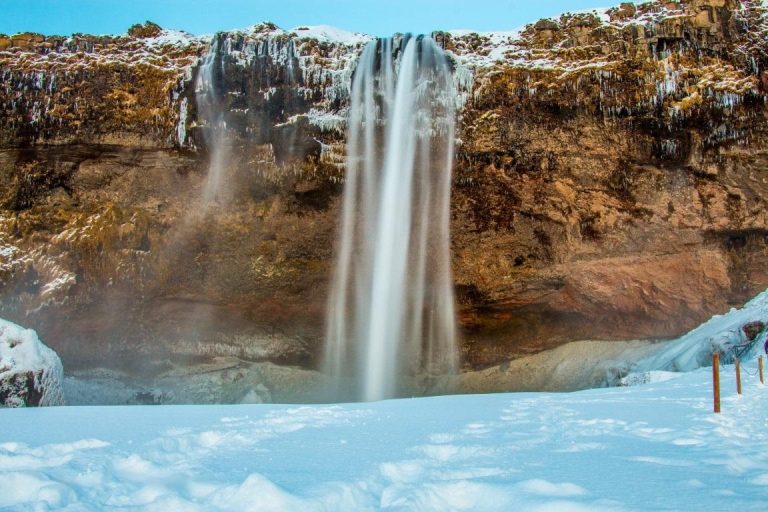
(330, 34)
(172, 38)
(322, 33)
(494, 47)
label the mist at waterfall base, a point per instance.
(391, 308)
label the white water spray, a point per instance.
(391, 311)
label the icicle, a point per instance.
(181, 128)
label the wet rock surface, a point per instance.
(609, 185)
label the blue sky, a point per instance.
(381, 18)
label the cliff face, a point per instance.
(617, 190)
(609, 184)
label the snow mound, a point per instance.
(652, 377)
(30, 372)
(721, 333)
(177, 38)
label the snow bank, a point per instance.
(30, 372)
(721, 333)
(652, 377)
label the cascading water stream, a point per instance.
(211, 112)
(391, 310)
(234, 86)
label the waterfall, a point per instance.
(391, 309)
(211, 112)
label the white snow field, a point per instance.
(651, 447)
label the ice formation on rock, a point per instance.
(30, 372)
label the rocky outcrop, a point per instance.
(608, 184)
(96, 89)
(752, 329)
(30, 373)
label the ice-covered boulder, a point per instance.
(737, 333)
(30, 373)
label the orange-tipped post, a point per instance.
(716, 379)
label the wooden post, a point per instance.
(738, 375)
(760, 368)
(716, 379)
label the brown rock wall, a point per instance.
(610, 184)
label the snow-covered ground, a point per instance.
(651, 447)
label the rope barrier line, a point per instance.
(750, 373)
(723, 365)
